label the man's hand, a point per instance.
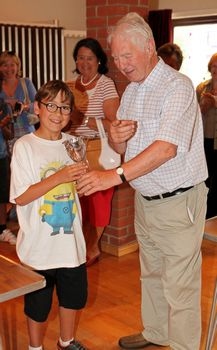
(122, 130)
(207, 101)
(96, 180)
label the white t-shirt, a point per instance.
(50, 234)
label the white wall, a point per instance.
(186, 8)
(71, 14)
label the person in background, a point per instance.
(15, 90)
(19, 94)
(50, 238)
(5, 118)
(159, 128)
(207, 97)
(95, 97)
(171, 54)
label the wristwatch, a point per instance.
(120, 172)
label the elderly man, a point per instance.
(159, 128)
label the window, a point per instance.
(197, 37)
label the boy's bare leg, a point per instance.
(67, 323)
(36, 332)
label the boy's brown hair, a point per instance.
(49, 91)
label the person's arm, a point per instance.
(158, 153)
(205, 99)
(110, 108)
(67, 174)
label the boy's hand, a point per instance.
(72, 172)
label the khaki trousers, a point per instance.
(169, 233)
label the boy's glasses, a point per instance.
(52, 107)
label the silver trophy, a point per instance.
(76, 149)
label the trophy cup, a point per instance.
(76, 149)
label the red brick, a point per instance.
(109, 230)
(91, 11)
(95, 2)
(119, 242)
(118, 221)
(92, 33)
(96, 22)
(119, 2)
(111, 10)
(144, 3)
(141, 11)
(102, 33)
(113, 20)
(100, 15)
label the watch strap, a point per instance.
(122, 176)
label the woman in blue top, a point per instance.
(18, 92)
(5, 234)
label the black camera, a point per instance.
(17, 107)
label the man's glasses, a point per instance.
(52, 107)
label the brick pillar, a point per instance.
(119, 236)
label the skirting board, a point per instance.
(119, 251)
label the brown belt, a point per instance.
(167, 194)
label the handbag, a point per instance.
(108, 158)
(32, 118)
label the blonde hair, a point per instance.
(5, 55)
(212, 59)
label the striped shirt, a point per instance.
(165, 108)
(90, 103)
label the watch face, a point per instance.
(120, 171)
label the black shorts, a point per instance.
(5, 180)
(71, 289)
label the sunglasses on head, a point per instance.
(11, 52)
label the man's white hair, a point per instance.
(134, 27)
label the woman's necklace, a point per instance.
(90, 81)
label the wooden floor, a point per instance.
(113, 308)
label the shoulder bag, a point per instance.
(108, 159)
(32, 118)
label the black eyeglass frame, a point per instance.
(63, 111)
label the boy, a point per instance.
(50, 238)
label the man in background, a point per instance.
(171, 54)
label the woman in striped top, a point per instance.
(95, 97)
